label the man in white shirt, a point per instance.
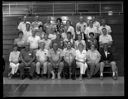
(104, 25)
(42, 58)
(22, 25)
(36, 23)
(14, 61)
(89, 29)
(81, 26)
(81, 59)
(47, 41)
(69, 61)
(27, 32)
(80, 41)
(33, 41)
(93, 58)
(96, 24)
(70, 28)
(105, 38)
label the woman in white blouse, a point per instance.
(81, 59)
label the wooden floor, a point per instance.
(47, 87)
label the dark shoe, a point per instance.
(38, 76)
(30, 77)
(114, 77)
(22, 77)
(101, 77)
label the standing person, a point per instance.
(105, 38)
(81, 59)
(42, 60)
(104, 25)
(59, 25)
(36, 23)
(70, 29)
(33, 41)
(47, 41)
(27, 57)
(14, 61)
(89, 29)
(81, 26)
(80, 41)
(55, 57)
(93, 58)
(22, 24)
(69, 39)
(27, 32)
(69, 61)
(19, 41)
(107, 58)
(96, 24)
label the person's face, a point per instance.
(69, 46)
(68, 23)
(42, 46)
(27, 26)
(68, 36)
(105, 47)
(41, 28)
(15, 48)
(91, 23)
(24, 19)
(27, 47)
(81, 19)
(20, 35)
(92, 47)
(91, 36)
(103, 22)
(36, 18)
(104, 31)
(55, 46)
(79, 37)
(45, 36)
(33, 33)
(81, 47)
(58, 21)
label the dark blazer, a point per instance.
(109, 55)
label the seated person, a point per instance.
(59, 41)
(19, 41)
(91, 41)
(107, 58)
(42, 60)
(69, 61)
(47, 41)
(53, 35)
(93, 58)
(14, 61)
(55, 57)
(27, 57)
(105, 38)
(80, 41)
(40, 32)
(81, 59)
(69, 39)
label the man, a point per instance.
(81, 59)
(27, 32)
(69, 61)
(105, 38)
(93, 58)
(107, 58)
(104, 25)
(27, 57)
(47, 41)
(55, 57)
(33, 41)
(70, 29)
(80, 41)
(36, 23)
(81, 26)
(96, 23)
(69, 39)
(42, 60)
(22, 25)
(89, 29)
(14, 61)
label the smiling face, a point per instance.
(55, 46)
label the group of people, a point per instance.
(48, 47)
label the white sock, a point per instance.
(101, 74)
(113, 73)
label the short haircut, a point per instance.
(15, 45)
(69, 33)
(40, 26)
(20, 32)
(91, 33)
(59, 19)
(80, 44)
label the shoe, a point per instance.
(30, 77)
(101, 77)
(114, 77)
(10, 76)
(22, 77)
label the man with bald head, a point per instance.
(27, 57)
(81, 26)
(55, 57)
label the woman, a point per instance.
(19, 41)
(81, 59)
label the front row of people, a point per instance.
(45, 61)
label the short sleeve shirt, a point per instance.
(81, 56)
(14, 56)
(105, 38)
